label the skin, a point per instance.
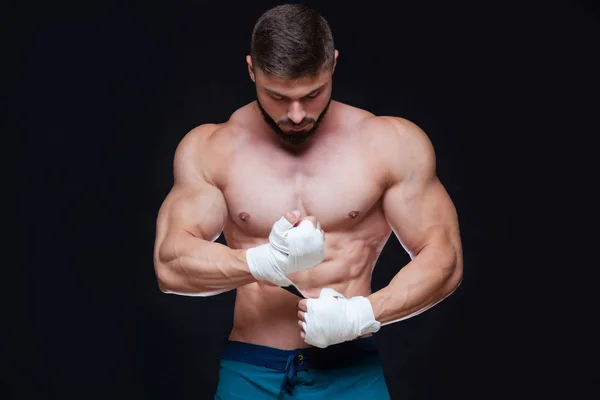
(358, 177)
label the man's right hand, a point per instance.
(294, 245)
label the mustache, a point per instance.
(287, 122)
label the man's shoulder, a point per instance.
(196, 142)
(208, 147)
(399, 144)
(391, 128)
(392, 134)
(200, 133)
(208, 138)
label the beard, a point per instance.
(293, 137)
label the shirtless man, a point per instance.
(306, 191)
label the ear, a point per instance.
(335, 57)
(250, 68)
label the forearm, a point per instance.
(195, 267)
(429, 278)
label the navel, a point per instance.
(353, 214)
(244, 216)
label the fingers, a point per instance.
(301, 316)
(320, 229)
(302, 305)
(292, 216)
(312, 219)
(302, 325)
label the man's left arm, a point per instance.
(424, 219)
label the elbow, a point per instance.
(164, 278)
(164, 287)
(162, 270)
(455, 281)
(170, 281)
(455, 275)
(167, 279)
(446, 249)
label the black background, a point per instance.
(101, 95)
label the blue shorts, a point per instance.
(349, 370)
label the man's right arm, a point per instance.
(187, 261)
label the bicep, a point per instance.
(416, 204)
(194, 207)
(420, 211)
(199, 211)
(188, 214)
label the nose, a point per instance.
(296, 112)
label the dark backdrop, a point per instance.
(507, 92)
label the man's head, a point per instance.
(292, 59)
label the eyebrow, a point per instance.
(275, 92)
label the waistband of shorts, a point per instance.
(338, 355)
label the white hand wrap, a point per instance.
(289, 250)
(330, 320)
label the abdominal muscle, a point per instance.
(266, 314)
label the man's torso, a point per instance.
(338, 180)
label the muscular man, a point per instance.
(306, 191)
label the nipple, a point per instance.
(244, 216)
(353, 214)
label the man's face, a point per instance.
(294, 107)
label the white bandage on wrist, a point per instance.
(332, 319)
(289, 250)
(262, 266)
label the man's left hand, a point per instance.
(332, 319)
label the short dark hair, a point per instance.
(290, 41)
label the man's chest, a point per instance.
(339, 188)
